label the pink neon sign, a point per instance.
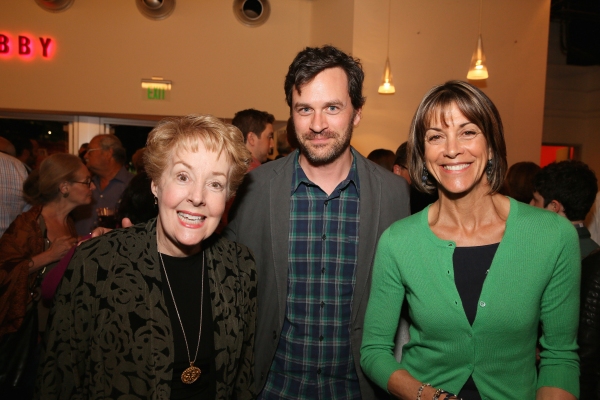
(26, 47)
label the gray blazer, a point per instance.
(260, 220)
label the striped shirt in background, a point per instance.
(12, 203)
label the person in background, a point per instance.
(257, 128)
(137, 159)
(418, 199)
(260, 144)
(38, 239)
(519, 181)
(592, 221)
(568, 188)
(12, 202)
(106, 159)
(24, 151)
(163, 309)
(383, 157)
(82, 150)
(588, 337)
(285, 140)
(478, 270)
(137, 204)
(7, 147)
(313, 219)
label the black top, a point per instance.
(420, 200)
(471, 265)
(185, 277)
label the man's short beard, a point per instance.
(338, 148)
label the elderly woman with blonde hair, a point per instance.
(163, 309)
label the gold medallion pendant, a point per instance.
(191, 374)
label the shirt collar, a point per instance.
(299, 176)
(120, 176)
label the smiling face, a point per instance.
(456, 153)
(191, 194)
(324, 116)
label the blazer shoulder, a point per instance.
(129, 242)
(271, 168)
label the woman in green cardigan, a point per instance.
(480, 271)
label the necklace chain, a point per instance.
(177, 310)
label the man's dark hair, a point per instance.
(21, 144)
(572, 183)
(383, 157)
(519, 181)
(137, 201)
(402, 155)
(252, 120)
(313, 60)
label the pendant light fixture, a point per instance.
(478, 69)
(387, 84)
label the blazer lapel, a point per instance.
(370, 204)
(279, 209)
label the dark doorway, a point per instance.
(132, 137)
(50, 136)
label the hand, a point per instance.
(60, 246)
(100, 231)
(83, 238)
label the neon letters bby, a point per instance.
(26, 46)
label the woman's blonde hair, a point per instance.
(172, 134)
(42, 185)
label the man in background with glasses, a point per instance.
(106, 159)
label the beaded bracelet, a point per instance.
(423, 385)
(449, 396)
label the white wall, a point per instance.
(432, 42)
(218, 66)
(105, 48)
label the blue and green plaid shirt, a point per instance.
(314, 357)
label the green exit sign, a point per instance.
(155, 93)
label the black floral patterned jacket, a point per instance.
(110, 335)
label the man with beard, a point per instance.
(313, 219)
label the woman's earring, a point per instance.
(425, 176)
(155, 200)
(488, 169)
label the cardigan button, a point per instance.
(482, 303)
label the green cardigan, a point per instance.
(533, 279)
